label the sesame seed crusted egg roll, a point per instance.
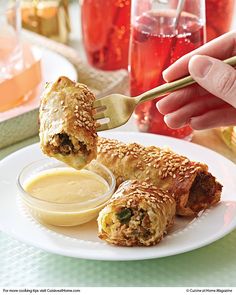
(67, 127)
(138, 214)
(190, 183)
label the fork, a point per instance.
(116, 109)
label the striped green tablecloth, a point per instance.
(22, 265)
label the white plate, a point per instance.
(82, 241)
(53, 65)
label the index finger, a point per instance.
(222, 47)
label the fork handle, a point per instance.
(172, 86)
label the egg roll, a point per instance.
(138, 214)
(190, 183)
(67, 128)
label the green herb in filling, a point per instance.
(124, 215)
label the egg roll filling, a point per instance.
(62, 144)
(203, 191)
(124, 215)
(129, 223)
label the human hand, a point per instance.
(210, 103)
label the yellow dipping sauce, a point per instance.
(65, 196)
(66, 185)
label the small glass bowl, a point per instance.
(64, 214)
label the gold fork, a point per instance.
(118, 108)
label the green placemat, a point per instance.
(213, 265)
(22, 265)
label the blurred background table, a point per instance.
(213, 265)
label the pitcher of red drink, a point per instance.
(158, 39)
(11, 58)
(106, 32)
(219, 16)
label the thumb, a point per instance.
(215, 76)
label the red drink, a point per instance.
(106, 31)
(219, 15)
(154, 47)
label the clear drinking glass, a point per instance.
(106, 32)
(11, 60)
(158, 39)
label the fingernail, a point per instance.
(164, 74)
(200, 66)
(158, 105)
(166, 119)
